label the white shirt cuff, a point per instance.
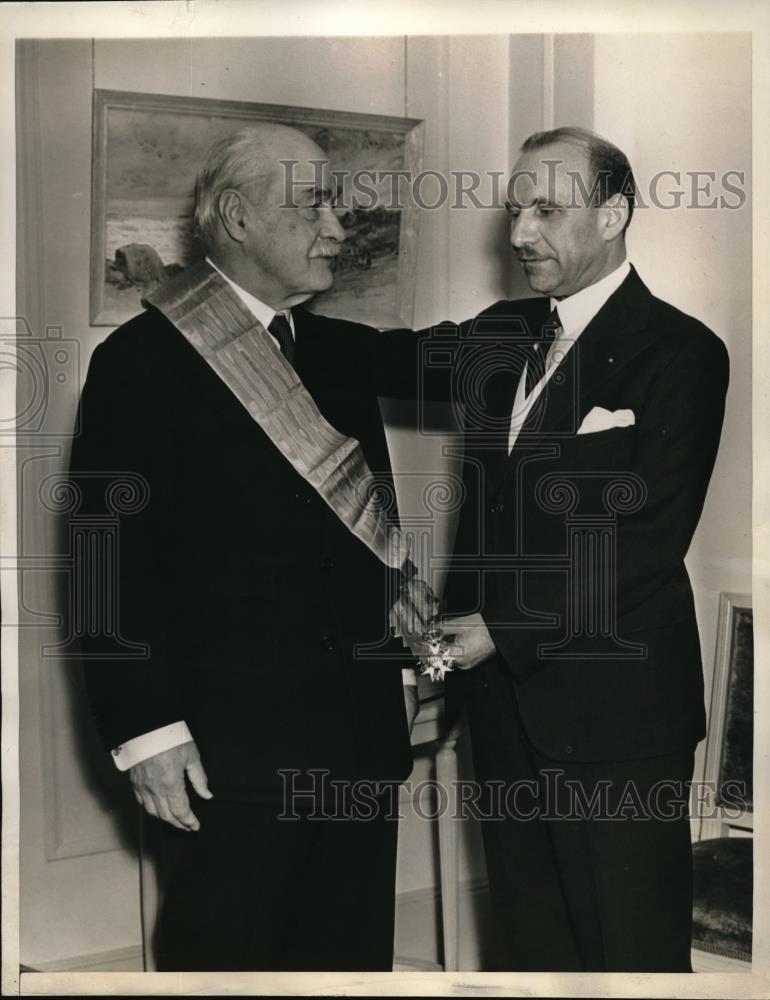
(409, 676)
(141, 747)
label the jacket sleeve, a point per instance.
(425, 364)
(123, 573)
(406, 364)
(677, 438)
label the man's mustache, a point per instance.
(325, 248)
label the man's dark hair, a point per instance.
(612, 173)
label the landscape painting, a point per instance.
(147, 150)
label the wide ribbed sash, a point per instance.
(212, 317)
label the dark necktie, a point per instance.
(539, 353)
(281, 330)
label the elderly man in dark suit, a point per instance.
(254, 428)
(593, 417)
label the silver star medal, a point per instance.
(439, 663)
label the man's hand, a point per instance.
(412, 700)
(159, 786)
(413, 610)
(469, 640)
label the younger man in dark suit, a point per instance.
(587, 462)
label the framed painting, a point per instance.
(147, 149)
(730, 744)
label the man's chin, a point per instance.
(318, 288)
(323, 276)
(539, 284)
(538, 278)
(324, 286)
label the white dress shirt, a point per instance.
(167, 737)
(575, 313)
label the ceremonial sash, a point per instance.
(211, 316)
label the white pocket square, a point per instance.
(600, 419)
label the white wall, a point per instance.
(78, 879)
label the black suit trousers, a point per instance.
(253, 891)
(589, 864)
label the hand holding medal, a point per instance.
(413, 618)
(437, 662)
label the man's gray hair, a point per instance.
(234, 162)
(609, 165)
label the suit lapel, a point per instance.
(488, 437)
(610, 342)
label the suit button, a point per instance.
(302, 498)
(569, 748)
(327, 565)
(328, 643)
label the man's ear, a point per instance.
(232, 212)
(614, 215)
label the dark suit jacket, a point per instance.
(638, 353)
(249, 591)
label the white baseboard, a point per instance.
(416, 965)
(419, 934)
(421, 903)
(418, 945)
(115, 960)
(705, 961)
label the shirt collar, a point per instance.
(263, 312)
(576, 311)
